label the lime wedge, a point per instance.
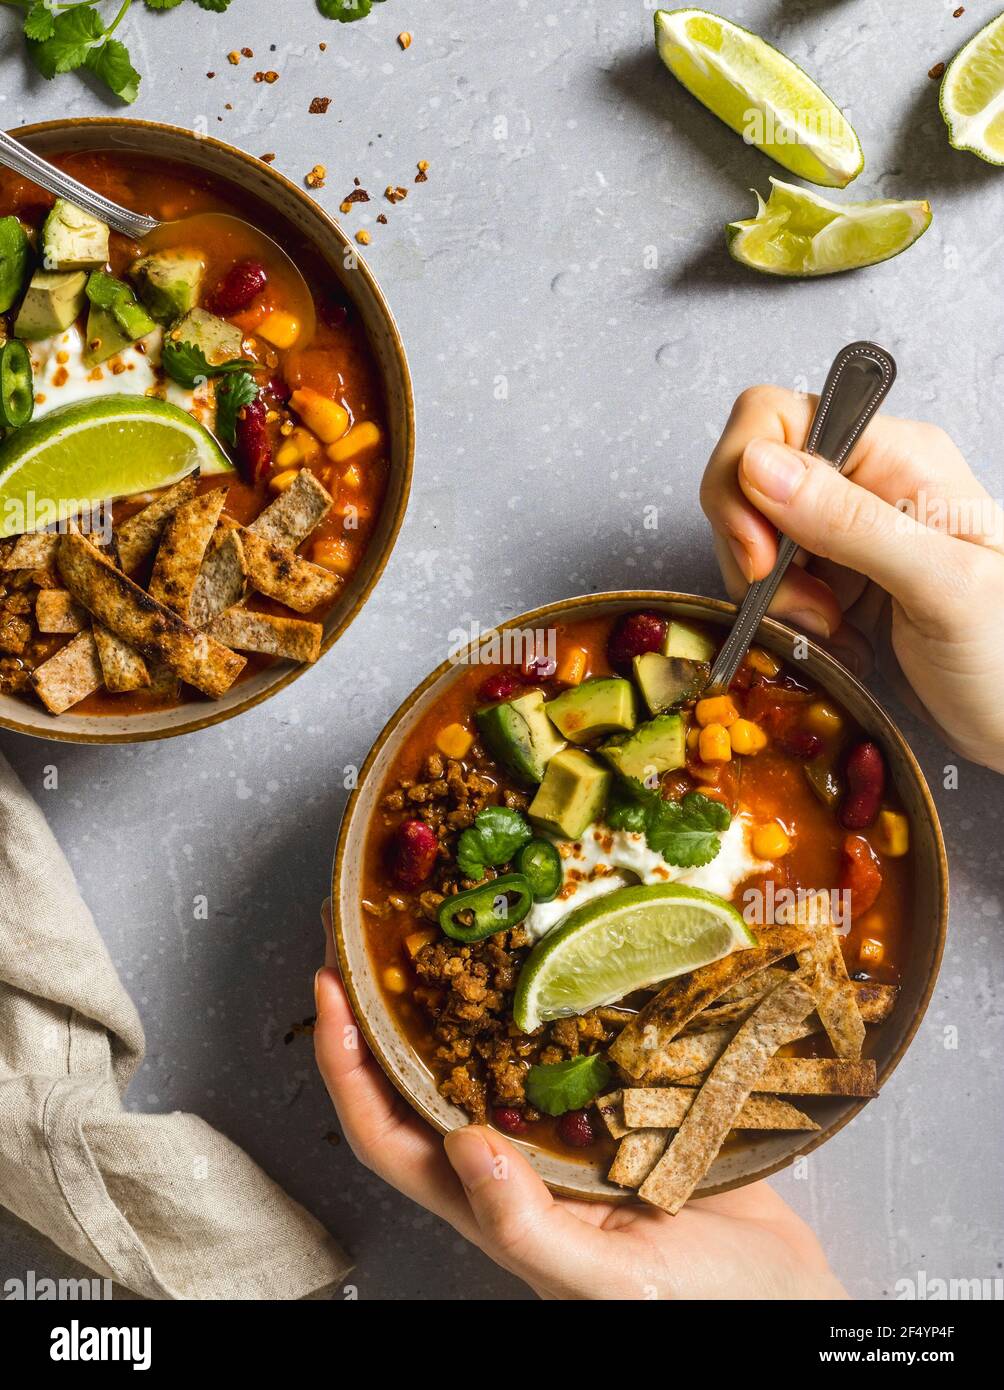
(972, 94)
(801, 233)
(80, 455)
(761, 94)
(623, 941)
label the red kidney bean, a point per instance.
(503, 685)
(279, 389)
(576, 1129)
(865, 774)
(860, 874)
(799, 743)
(241, 285)
(334, 313)
(634, 635)
(509, 1120)
(413, 851)
(254, 447)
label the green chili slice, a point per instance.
(484, 910)
(17, 385)
(540, 864)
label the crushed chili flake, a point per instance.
(937, 71)
(267, 158)
(323, 47)
(404, 39)
(382, 217)
(210, 74)
(228, 106)
(395, 194)
(363, 237)
(271, 76)
(233, 57)
(316, 177)
(357, 182)
(248, 52)
(358, 195)
(319, 106)
(957, 14)
(423, 171)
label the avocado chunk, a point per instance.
(572, 794)
(54, 300)
(520, 735)
(606, 705)
(72, 239)
(660, 745)
(687, 642)
(217, 340)
(116, 299)
(13, 261)
(168, 283)
(666, 682)
(104, 337)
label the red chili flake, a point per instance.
(957, 14)
(937, 71)
(382, 218)
(395, 194)
(210, 74)
(358, 195)
(271, 76)
(323, 47)
(267, 158)
(248, 52)
(423, 171)
(357, 182)
(319, 106)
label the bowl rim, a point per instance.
(332, 228)
(727, 609)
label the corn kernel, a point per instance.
(717, 709)
(746, 737)
(325, 417)
(762, 662)
(770, 841)
(281, 329)
(713, 744)
(871, 951)
(360, 437)
(352, 477)
(892, 834)
(823, 719)
(571, 666)
(332, 555)
(279, 482)
(417, 940)
(395, 979)
(693, 738)
(454, 741)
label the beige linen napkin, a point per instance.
(160, 1203)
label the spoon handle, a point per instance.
(857, 384)
(24, 161)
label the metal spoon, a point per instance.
(139, 227)
(857, 384)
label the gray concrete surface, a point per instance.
(561, 155)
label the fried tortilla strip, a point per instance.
(183, 548)
(221, 579)
(156, 631)
(754, 986)
(69, 676)
(55, 611)
(612, 1115)
(818, 1076)
(35, 550)
(136, 538)
(637, 1154)
(290, 638)
(663, 1107)
(122, 666)
(825, 972)
(285, 576)
(673, 1007)
(718, 1104)
(289, 520)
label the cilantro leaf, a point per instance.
(560, 1086)
(687, 833)
(234, 392)
(625, 812)
(68, 46)
(493, 839)
(163, 4)
(39, 22)
(112, 65)
(345, 11)
(187, 364)
(217, 6)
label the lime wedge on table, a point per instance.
(623, 941)
(97, 450)
(801, 233)
(972, 94)
(761, 94)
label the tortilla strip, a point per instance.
(35, 550)
(122, 666)
(637, 1154)
(290, 638)
(183, 548)
(69, 676)
(137, 537)
(819, 1076)
(286, 576)
(718, 1104)
(163, 680)
(825, 971)
(55, 611)
(220, 583)
(289, 520)
(754, 986)
(140, 620)
(612, 1115)
(673, 1007)
(663, 1107)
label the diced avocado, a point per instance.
(72, 239)
(520, 735)
(687, 642)
(217, 340)
(572, 794)
(168, 283)
(117, 299)
(13, 261)
(606, 705)
(54, 300)
(658, 746)
(104, 337)
(666, 682)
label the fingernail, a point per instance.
(810, 620)
(470, 1158)
(317, 981)
(741, 556)
(773, 469)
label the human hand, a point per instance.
(925, 599)
(741, 1245)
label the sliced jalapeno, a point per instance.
(17, 385)
(540, 864)
(484, 910)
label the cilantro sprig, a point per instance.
(188, 365)
(493, 839)
(233, 393)
(556, 1087)
(345, 11)
(686, 833)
